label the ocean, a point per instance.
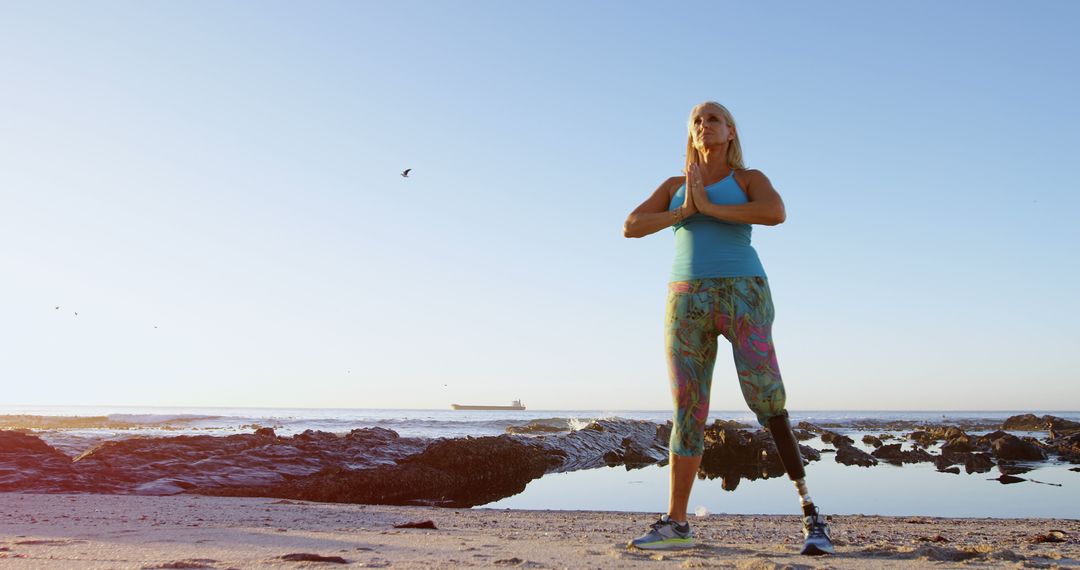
(1050, 488)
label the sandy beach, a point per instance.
(190, 531)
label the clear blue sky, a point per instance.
(228, 173)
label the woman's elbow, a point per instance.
(628, 228)
(776, 218)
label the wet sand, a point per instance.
(190, 531)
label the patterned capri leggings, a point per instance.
(698, 311)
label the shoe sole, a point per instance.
(676, 544)
(813, 550)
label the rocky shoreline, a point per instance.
(377, 466)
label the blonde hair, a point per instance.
(734, 149)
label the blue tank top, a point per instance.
(707, 247)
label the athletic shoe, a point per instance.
(816, 531)
(664, 534)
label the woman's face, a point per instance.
(709, 128)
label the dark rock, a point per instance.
(1073, 439)
(169, 465)
(418, 524)
(1067, 448)
(308, 557)
(978, 463)
(888, 452)
(1031, 422)
(634, 442)
(893, 454)
(1005, 479)
(950, 432)
(1011, 469)
(948, 458)
(466, 472)
(985, 440)
(734, 454)
(871, 440)
(373, 465)
(803, 435)
(850, 455)
(955, 438)
(1013, 448)
(846, 452)
(633, 455)
(728, 424)
(458, 473)
(960, 444)
(923, 438)
(29, 464)
(663, 432)
(836, 439)
(953, 470)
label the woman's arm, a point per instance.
(653, 215)
(765, 206)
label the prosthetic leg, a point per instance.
(815, 529)
(780, 427)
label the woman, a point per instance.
(718, 287)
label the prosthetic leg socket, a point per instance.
(780, 427)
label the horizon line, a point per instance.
(747, 411)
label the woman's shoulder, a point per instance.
(672, 184)
(745, 176)
(748, 172)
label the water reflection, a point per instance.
(730, 474)
(1047, 490)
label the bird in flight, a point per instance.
(405, 173)
(58, 307)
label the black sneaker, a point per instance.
(816, 532)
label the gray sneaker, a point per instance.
(816, 532)
(664, 534)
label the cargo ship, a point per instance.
(515, 406)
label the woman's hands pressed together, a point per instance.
(763, 205)
(695, 189)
